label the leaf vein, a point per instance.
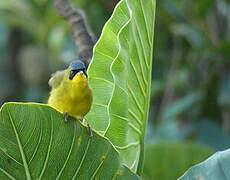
(135, 128)
(139, 57)
(119, 50)
(138, 79)
(98, 104)
(147, 29)
(7, 174)
(105, 80)
(83, 158)
(68, 156)
(135, 117)
(134, 162)
(124, 118)
(99, 166)
(99, 52)
(31, 134)
(136, 101)
(128, 145)
(39, 141)
(49, 149)
(142, 45)
(11, 157)
(20, 148)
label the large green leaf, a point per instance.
(120, 76)
(35, 143)
(215, 167)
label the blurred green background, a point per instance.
(190, 96)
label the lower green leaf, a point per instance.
(36, 143)
(215, 167)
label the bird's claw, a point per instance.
(66, 117)
(89, 129)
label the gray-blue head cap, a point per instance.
(77, 65)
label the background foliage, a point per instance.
(191, 76)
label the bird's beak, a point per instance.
(80, 73)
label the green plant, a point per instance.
(215, 167)
(120, 75)
(38, 144)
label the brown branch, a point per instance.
(80, 28)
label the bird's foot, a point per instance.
(81, 119)
(66, 117)
(89, 129)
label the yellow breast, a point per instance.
(72, 96)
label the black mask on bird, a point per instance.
(77, 67)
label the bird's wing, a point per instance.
(56, 79)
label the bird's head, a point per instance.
(77, 71)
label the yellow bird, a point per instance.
(70, 92)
